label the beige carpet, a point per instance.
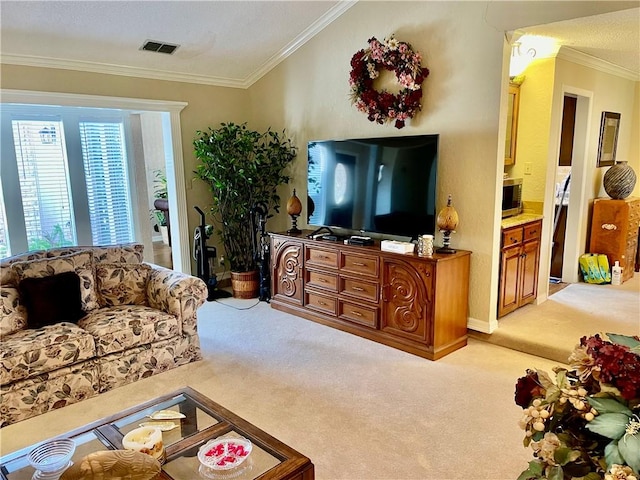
(553, 328)
(358, 409)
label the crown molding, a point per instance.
(590, 61)
(303, 38)
(109, 69)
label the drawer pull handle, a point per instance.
(533, 232)
(609, 226)
(359, 264)
(357, 289)
(320, 302)
(357, 314)
(322, 280)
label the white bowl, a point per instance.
(52, 456)
(224, 453)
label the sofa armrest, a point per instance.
(178, 294)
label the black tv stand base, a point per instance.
(317, 231)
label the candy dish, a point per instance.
(224, 453)
(51, 458)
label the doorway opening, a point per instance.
(568, 191)
(562, 192)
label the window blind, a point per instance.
(105, 166)
(43, 177)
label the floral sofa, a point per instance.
(79, 321)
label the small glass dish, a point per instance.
(52, 457)
(224, 453)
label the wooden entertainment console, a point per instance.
(416, 304)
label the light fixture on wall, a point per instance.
(520, 59)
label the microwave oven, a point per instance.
(511, 197)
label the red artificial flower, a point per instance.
(528, 388)
(399, 58)
(619, 366)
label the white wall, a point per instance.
(308, 94)
(465, 102)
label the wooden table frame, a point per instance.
(292, 466)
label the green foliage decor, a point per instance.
(243, 168)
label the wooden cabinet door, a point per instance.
(406, 301)
(509, 280)
(529, 272)
(287, 271)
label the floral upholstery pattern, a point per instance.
(33, 352)
(175, 293)
(8, 276)
(125, 326)
(38, 395)
(122, 283)
(123, 253)
(13, 316)
(50, 367)
(80, 262)
(131, 365)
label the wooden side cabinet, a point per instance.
(519, 265)
(416, 304)
(286, 281)
(614, 231)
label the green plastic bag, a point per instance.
(595, 268)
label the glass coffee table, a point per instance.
(203, 420)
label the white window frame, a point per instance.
(180, 239)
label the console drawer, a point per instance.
(328, 281)
(322, 258)
(358, 288)
(361, 264)
(358, 314)
(321, 303)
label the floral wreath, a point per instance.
(382, 106)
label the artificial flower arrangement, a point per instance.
(383, 106)
(583, 422)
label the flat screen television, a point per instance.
(374, 185)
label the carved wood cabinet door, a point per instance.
(287, 271)
(407, 300)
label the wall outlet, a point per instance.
(527, 168)
(221, 261)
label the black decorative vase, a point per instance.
(619, 181)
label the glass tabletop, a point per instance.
(187, 465)
(188, 420)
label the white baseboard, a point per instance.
(482, 326)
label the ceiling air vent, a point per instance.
(160, 47)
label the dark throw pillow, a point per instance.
(52, 299)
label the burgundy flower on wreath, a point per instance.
(382, 106)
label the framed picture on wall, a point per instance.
(609, 125)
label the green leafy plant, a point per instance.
(583, 422)
(53, 239)
(243, 168)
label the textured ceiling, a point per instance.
(613, 37)
(236, 42)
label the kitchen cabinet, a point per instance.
(519, 266)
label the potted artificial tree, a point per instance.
(243, 169)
